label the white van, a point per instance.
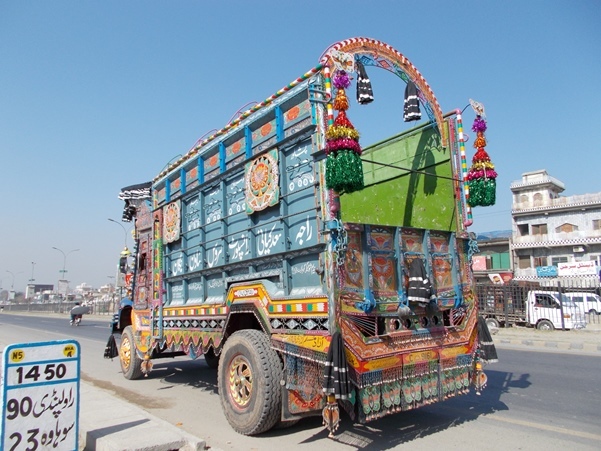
(545, 312)
(588, 302)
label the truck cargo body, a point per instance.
(241, 246)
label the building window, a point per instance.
(500, 260)
(538, 199)
(556, 260)
(523, 229)
(545, 300)
(566, 228)
(596, 224)
(523, 198)
(523, 262)
(540, 261)
(539, 229)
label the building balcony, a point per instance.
(560, 203)
(560, 236)
(558, 239)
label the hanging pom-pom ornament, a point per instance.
(341, 101)
(341, 80)
(344, 168)
(479, 125)
(481, 178)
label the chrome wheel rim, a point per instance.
(125, 352)
(240, 384)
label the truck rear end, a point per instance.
(309, 298)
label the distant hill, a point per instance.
(497, 234)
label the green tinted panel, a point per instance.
(407, 183)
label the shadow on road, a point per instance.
(193, 373)
(383, 433)
(405, 427)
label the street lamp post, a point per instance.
(31, 287)
(124, 233)
(12, 281)
(64, 270)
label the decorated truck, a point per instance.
(315, 273)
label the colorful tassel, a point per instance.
(344, 171)
(344, 168)
(341, 101)
(481, 178)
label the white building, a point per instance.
(554, 237)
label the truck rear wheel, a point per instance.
(249, 378)
(545, 325)
(492, 323)
(131, 364)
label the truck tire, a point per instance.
(545, 325)
(131, 364)
(249, 378)
(492, 323)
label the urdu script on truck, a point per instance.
(312, 273)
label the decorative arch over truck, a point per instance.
(372, 52)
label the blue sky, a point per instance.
(98, 95)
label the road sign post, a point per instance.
(40, 392)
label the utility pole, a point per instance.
(64, 270)
(31, 287)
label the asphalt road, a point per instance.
(534, 400)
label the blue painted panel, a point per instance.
(269, 235)
(235, 200)
(191, 216)
(195, 291)
(176, 293)
(215, 286)
(297, 184)
(174, 260)
(238, 239)
(305, 278)
(213, 243)
(191, 229)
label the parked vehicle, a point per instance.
(588, 302)
(513, 304)
(247, 255)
